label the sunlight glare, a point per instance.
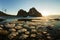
(45, 13)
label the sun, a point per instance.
(45, 13)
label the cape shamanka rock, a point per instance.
(22, 13)
(32, 13)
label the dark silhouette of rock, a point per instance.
(57, 19)
(4, 14)
(22, 13)
(1, 19)
(34, 13)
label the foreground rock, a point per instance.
(28, 31)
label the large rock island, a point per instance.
(32, 13)
(22, 13)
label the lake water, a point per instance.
(39, 28)
(41, 20)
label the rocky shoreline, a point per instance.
(28, 30)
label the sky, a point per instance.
(45, 7)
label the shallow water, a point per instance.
(45, 28)
(41, 20)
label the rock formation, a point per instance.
(34, 13)
(4, 14)
(22, 13)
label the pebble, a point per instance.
(20, 30)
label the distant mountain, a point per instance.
(32, 13)
(4, 14)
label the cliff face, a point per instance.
(22, 13)
(32, 13)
